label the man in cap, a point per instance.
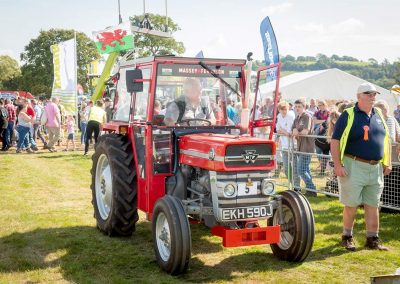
(108, 108)
(189, 105)
(360, 148)
(396, 113)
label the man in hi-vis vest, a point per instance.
(360, 150)
(97, 116)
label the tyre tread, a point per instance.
(123, 215)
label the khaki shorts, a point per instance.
(362, 185)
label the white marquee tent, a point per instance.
(329, 84)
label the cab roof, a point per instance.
(176, 59)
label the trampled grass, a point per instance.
(48, 234)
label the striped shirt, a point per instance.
(11, 112)
(393, 127)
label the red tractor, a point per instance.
(180, 157)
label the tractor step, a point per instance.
(247, 236)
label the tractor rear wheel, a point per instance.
(171, 235)
(114, 185)
(297, 230)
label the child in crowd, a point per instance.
(71, 131)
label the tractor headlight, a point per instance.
(268, 187)
(229, 190)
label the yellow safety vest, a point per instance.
(386, 160)
(96, 114)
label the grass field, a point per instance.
(48, 235)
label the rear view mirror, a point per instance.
(134, 81)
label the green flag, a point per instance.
(114, 39)
(105, 74)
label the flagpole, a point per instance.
(119, 12)
(76, 78)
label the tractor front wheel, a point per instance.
(171, 235)
(297, 229)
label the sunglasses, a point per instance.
(370, 94)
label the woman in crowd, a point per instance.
(284, 125)
(323, 144)
(23, 127)
(333, 117)
(391, 193)
(321, 115)
(393, 125)
(84, 116)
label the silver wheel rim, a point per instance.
(287, 236)
(163, 237)
(103, 186)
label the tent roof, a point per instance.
(14, 94)
(329, 84)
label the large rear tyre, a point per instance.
(171, 235)
(297, 230)
(114, 186)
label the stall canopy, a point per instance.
(329, 84)
(13, 94)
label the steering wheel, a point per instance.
(189, 120)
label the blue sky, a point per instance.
(224, 28)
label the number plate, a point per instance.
(245, 189)
(246, 212)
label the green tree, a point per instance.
(309, 58)
(397, 71)
(37, 70)
(373, 61)
(335, 57)
(154, 45)
(9, 71)
(349, 58)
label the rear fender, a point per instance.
(115, 127)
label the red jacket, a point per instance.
(30, 111)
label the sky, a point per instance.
(224, 28)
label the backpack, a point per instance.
(321, 142)
(3, 117)
(43, 118)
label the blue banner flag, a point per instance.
(271, 53)
(200, 54)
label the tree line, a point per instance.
(384, 74)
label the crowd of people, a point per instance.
(24, 122)
(361, 135)
(305, 127)
(308, 127)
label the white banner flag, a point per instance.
(65, 76)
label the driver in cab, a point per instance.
(191, 108)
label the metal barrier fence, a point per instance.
(312, 173)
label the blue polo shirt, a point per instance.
(372, 149)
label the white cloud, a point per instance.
(348, 26)
(215, 46)
(310, 27)
(349, 37)
(280, 8)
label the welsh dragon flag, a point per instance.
(114, 39)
